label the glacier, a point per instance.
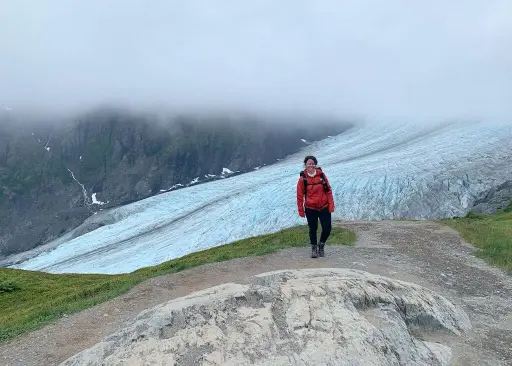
(377, 171)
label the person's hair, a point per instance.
(310, 157)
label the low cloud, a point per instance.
(392, 59)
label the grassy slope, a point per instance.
(30, 299)
(490, 233)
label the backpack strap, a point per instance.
(304, 179)
(324, 183)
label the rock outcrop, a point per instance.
(497, 198)
(292, 317)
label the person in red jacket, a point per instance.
(315, 202)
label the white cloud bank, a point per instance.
(373, 58)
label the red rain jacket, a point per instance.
(316, 197)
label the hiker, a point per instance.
(315, 201)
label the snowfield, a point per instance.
(377, 172)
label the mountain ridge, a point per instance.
(54, 174)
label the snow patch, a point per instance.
(47, 148)
(173, 187)
(304, 141)
(95, 200)
(195, 180)
(226, 171)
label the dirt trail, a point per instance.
(423, 252)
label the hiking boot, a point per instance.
(314, 251)
(321, 249)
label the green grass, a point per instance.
(492, 234)
(31, 299)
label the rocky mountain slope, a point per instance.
(54, 174)
(497, 198)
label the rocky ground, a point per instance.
(424, 253)
(315, 316)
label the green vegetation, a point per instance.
(8, 286)
(29, 167)
(94, 156)
(490, 233)
(30, 299)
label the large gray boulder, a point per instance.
(291, 317)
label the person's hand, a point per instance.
(302, 214)
(331, 209)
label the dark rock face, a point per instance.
(497, 198)
(52, 175)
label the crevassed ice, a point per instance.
(377, 172)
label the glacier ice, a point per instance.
(377, 172)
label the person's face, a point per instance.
(310, 165)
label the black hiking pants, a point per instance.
(325, 220)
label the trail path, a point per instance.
(422, 252)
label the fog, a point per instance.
(374, 59)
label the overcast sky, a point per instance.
(404, 59)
